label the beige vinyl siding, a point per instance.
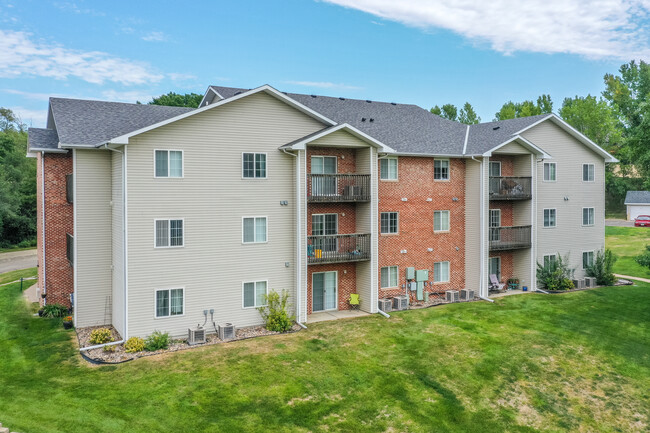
(302, 156)
(93, 237)
(472, 224)
(512, 148)
(339, 139)
(569, 236)
(522, 210)
(366, 214)
(212, 198)
(117, 237)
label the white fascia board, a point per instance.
(38, 149)
(207, 92)
(525, 143)
(637, 204)
(466, 139)
(433, 155)
(124, 139)
(301, 145)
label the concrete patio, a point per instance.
(335, 315)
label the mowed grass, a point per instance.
(8, 277)
(627, 243)
(573, 362)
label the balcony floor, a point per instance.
(325, 316)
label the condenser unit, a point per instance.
(226, 331)
(401, 302)
(466, 295)
(386, 305)
(195, 336)
(590, 282)
(451, 296)
(579, 284)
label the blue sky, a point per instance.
(424, 52)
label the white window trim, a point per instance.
(490, 218)
(448, 170)
(169, 234)
(336, 162)
(583, 216)
(389, 234)
(544, 172)
(168, 170)
(553, 226)
(396, 279)
(448, 222)
(500, 167)
(498, 258)
(396, 169)
(337, 291)
(155, 299)
(583, 172)
(255, 297)
(448, 273)
(548, 255)
(593, 258)
(266, 171)
(312, 223)
(255, 227)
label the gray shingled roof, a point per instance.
(486, 136)
(637, 197)
(41, 138)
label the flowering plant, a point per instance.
(67, 319)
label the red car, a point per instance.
(642, 221)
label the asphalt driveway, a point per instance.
(17, 260)
(619, 223)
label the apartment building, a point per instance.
(150, 215)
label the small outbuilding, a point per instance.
(637, 203)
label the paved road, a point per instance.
(619, 223)
(17, 260)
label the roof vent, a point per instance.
(368, 101)
(495, 128)
(313, 96)
(237, 93)
(393, 103)
(363, 119)
(342, 99)
(372, 120)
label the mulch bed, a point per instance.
(434, 299)
(619, 282)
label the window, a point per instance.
(169, 163)
(388, 222)
(495, 168)
(254, 230)
(69, 247)
(169, 233)
(69, 188)
(441, 169)
(255, 294)
(587, 216)
(441, 221)
(388, 168)
(325, 225)
(441, 272)
(494, 267)
(587, 259)
(254, 166)
(388, 277)
(169, 302)
(588, 172)
(550, 172)
(495, 223)
(550, 218)
(549, 258)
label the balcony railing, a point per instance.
(338, 187)
(510, 188)
(509, 238)
(338, 248)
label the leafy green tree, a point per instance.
(594, 118)
(512, 110)
(177, 100)
(468, 115)
(448, 111)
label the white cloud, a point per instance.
(323, 85)
(21, 56)
(616, 29)
(155, 37)
(35, 118)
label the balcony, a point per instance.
(510, 188)
(330, 188)
(338, 248)
(509, 238)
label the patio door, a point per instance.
(495, 223)
(324, 291)
(323, 185)
(495, 267)
(324, 225)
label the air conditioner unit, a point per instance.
(579, 284)
(590, 282)
(226, 331)
(351, 190)
(451, 296)
(466, 295)
(195, 336)
(386, 305)
(400, 302)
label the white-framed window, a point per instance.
(588, 216)
(254, 230)
(325, 225)
(254, 294)
(389, 276)
(441, 169)
(550, 171)
(389, 223)
(495, 168)
(495, 223)
(388, 168)
(587, 259)
(168, 163)
(168, 233)
(494, 267)
(170, 302)
(549, 258)
(588, 171)
(441, 221)
(441, 272)
(253, 165)
(550, 217)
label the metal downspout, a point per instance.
(43, 228)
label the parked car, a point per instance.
(642, 221)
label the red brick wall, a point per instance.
(507, 264)
(347, 282)
(507, 164)
(59, 221)
(346, 215)
(416, 184)
(345, 158)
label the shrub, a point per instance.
(55, 310)
(101, 336)
(110, 349)
(157, 341)
(644, 258)
(134, 344)
(602, 267)
(556, 274)
(275, 315)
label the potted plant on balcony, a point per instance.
(513, 283)
(67, 322)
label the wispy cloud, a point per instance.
(607, 29)
(36, 118)
(155, 37)
(180, 76)
(323, 85)
(28, 95)
(22, 56)
(73, 7)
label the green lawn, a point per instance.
(626, 243)
(8, 277)
(572, 362)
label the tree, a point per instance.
(177, 100)
(512, 110)
(448, 111)
(594, 118)
(466, 115)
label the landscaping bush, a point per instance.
(157, 341)
(275, 315)
(55, 310)
(556, 274)
(602, 268)
(134, 344)
(101, 336)
(644, 258)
